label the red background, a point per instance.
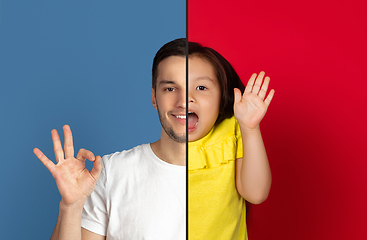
(315, 128)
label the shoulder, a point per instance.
(228, 127)
(126, 157)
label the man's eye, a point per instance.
(201, 88)
(170, 89)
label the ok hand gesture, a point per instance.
(250, 108)
(74, 181)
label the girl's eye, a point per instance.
(201, 88)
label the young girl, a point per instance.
(227, 158)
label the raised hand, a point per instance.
(74, 181)
(250, 108)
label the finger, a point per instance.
(84, 154)
(97, 168)
(250, 83)
(47, 162)
(258, 82)
(264, 88)
(68, 142)
(237, 95)
(59, 153)
(269, 97)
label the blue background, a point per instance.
(82, 63)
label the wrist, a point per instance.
(247, 129)
(76, 206)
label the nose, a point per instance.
(191, 98)
(182, 99)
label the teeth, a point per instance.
(181, 116)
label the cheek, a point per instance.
(215, 104)
(164, 99)
(212, 109)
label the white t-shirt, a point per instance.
(138, 196)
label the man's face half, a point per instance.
(169, 97)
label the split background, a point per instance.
(89, 65)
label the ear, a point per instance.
(154, 101)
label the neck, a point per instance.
(169, 150)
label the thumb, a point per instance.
(237, 95)
(97, 168)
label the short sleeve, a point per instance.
(95, 215)
(239, 152)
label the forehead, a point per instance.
(172, 68)
(201, 68)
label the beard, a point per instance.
(169, 130)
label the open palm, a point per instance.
(250, 108)
(74, 181)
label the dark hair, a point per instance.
(226, 75)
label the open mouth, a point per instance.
(192, 121)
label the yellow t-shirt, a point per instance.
(216, 210)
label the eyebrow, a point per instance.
(204, 78)
(166, 82)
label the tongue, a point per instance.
(193, 119)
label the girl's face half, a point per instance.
(204, 98)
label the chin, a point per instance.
(193, 138)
